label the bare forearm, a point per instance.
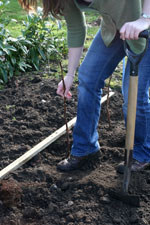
(73, 60)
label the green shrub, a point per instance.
(39, 42)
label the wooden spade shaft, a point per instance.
(131, 118)
(131, 113)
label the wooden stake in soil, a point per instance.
(42, 145)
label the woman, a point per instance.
(121, 20)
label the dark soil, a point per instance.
(37, 193)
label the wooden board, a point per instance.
(42, 145)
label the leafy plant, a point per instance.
(46, 43)
(37, 44)
(12, 55)
(36, 32)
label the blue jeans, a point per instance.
(98, 65)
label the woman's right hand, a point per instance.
(68, 80)
(74, 55)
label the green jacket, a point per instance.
(114, 13)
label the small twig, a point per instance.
(108, 112)
(65, 111)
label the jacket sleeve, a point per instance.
(76, 28)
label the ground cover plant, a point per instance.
(37, 43)
(37, 193)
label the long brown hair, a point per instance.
(55, 7)
(28, 4)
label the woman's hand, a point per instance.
(131, 30)
(73, 62)
(68, 80)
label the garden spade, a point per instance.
(134, 60)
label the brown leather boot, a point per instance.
(75, 162)
(136, 166)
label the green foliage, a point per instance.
(37, 44)
(3, 4)
(3, 21)
(16, 14)
(12, 55)
(46, 43)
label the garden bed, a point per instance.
(37, 193)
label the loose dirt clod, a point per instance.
(10, 192)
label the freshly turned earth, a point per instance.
(36, 193)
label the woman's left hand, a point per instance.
(131, 30)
